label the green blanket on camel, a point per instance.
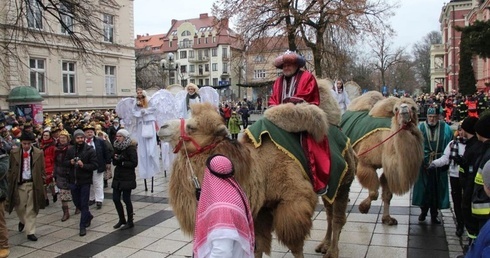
(290, 144)
(359, 124)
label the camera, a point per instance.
(76, 159)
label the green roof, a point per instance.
(24, 94)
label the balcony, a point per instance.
(185, 45)
(225, 58)
(225, 74)
(195, 59)
(199, 74)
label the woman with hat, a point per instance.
(61, 173)
(125, 161)
(191, 97)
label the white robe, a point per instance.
(342, 98)
(148, 157)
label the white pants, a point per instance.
(97, 187)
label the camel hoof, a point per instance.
(365, 206)
(388, 220)
(321, 248)
(331, 255)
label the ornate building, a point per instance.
(43, 55)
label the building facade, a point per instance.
(453, 15)
(203, 51)
(45, 57)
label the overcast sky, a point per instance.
(412, 21)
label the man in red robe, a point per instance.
(296, 86)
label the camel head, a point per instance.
(406, 112)
(205, 127)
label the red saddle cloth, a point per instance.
(318, 157)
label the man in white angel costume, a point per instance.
(339, 93)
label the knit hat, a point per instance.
(486, 174)
(78, 132)
(469, 124)
(432, 111)
(482, 127)
(123, 132)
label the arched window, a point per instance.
(186, 33)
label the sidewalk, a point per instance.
(157, 234)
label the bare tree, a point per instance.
(58, 25)
(384, 56)
(421, 53)
(308, 19)
(149, 74)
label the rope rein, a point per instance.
(389, 137)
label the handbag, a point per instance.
(147, 130)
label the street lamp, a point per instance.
(169, 64)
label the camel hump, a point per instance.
(366, 101)
(384, 108)
(299, 118)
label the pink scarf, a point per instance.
(223, 208)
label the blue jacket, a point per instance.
(481, 247)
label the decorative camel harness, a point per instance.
(186, 138)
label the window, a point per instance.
(206, 82)
(170, 43)
(214, 51)
(215, 66)
(183, 82)
(199, 41)
(259, 59)
(201, 82)
(259, 74)
(68, 71)
(206, 40)
(186, 43)
(34, 14)
(206, 67)
(214, 39)
(215, 82)
(193, 80)
(108, 21)
(225, 52)
(186, 33)
(192, 68)
(191, 53)
(66, 19)
(110, 80)
(38, 74)
(206, 52)
(183, 68)
(183, 54)
(225, 67)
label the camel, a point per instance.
(281, 196)
(400, 156)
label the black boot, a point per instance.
(459, 229)
(122, 219)
(105, 183)
(130, 222)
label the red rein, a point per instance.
(185, 138)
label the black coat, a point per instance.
(125, 171)
(78, 175)
(103, 154)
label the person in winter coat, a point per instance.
(82, 161)
(61, 173)
(47, 144)
(125, 161)
(234, 125)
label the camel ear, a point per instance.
(221, 131)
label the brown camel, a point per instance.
(281, 196)
(399, 156)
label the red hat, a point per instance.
(290, 58)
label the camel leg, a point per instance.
(325, 244)
(292, 221)
(386, 197)
(337, 220)
(368, 178)
(263, 232)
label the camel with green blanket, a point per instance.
(269, 165)
(384, 133)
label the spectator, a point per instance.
(26, 184)
(125, 162)
(82, 161)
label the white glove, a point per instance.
(432, 165)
